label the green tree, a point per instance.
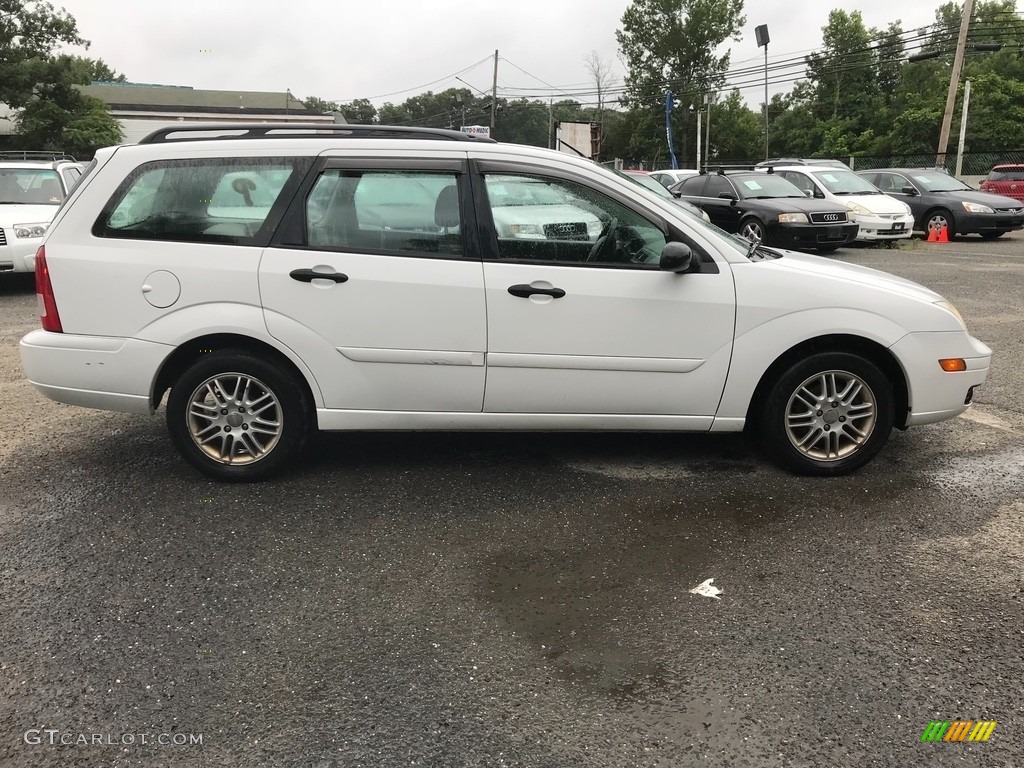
(30, 30)
(359, 112)
(674, 44)
(737, 132)
(319, 105)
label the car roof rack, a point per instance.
(721, 170)
(301, 131)
(32, 154)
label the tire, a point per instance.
(992, 235)
(752, 226)
(937, 218)
(238, 445)
(794, 436)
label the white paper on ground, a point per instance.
(705, 588)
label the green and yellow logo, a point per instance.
(958, 730)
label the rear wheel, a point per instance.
(234, 416)
(827, 415)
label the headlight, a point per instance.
(594, 229)
(952, 310)
(792, 218)
(976, 207)
(858, 210)
(526, 230)
(908, 211)
(30, 230)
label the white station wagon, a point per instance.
(243, 270)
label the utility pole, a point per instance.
(551, 123)
(494, 94)
(697, 164)
(963, 128)
(954, 84)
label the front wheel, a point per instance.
(236, 417)
(752, 229)
(827, 415)
(938, 219)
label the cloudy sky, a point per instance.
(388, 50)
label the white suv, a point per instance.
(280, 279)
(879, 216)
(32, 186)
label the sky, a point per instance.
(389, 50)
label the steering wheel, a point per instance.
(604, 246)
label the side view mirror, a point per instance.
(728, 196)
(909, 191)
(676, 257)
(809, 192)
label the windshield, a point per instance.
(515, 190)
(840, 182)
(753, 187)
(648, 183)
(938, 182)
(30, 186)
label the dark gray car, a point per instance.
(938, 199)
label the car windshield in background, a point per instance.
(28, 186)
(840, 182)
(1006, 174)
(753, 187)
(938, 182)
(647, 182)
(506, 191)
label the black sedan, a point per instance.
(770, 208)
(938, 199)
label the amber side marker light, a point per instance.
(953, 365)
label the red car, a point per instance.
(1007, 180)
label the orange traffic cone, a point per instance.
(933, 235)
(943, 234)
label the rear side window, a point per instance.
(692, 186)
(401, 212)
(214, 200)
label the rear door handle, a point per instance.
(309, 275)
(525, 291)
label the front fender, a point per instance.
(755, 350)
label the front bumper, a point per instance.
(876, 228)
(934, 394)
(111, 374)
(18, 254)
(981, 223)
(799, 236)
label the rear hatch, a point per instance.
(1006, 180)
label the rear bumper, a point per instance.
(110, 374)
(934, 394)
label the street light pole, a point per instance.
(954, 84)
(761, 34)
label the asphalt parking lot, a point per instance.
(518, 600)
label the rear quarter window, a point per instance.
(215, 200)
(1006, 174)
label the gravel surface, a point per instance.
(518, 600)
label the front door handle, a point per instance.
(525, 291)
(309, 275)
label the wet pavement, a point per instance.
(519, 600)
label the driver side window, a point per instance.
(544, 220)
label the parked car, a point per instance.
(767, 207)
(1006, 179)
(531, 208)
(32, 186)
(647, 182)
(878, 216)
(819, 161)
(671, 177)
(940, 200)
(313, 313)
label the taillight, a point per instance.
(44, 295)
